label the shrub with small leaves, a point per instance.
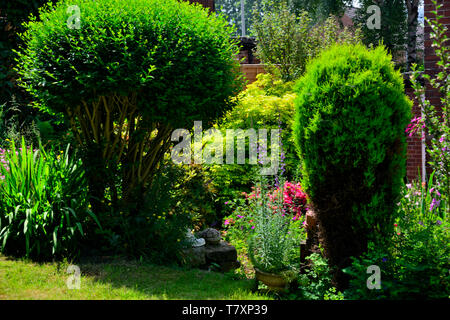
(351, 113)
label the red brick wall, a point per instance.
(430, 57)
(414, 147)
(251, 71)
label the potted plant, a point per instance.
(272, 244)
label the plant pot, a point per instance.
(273, 281)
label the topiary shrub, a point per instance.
(351, 114)
(126, 77)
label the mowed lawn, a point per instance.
(119, 279)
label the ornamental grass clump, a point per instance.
(43, 207)
(351, 114)
(125, 77)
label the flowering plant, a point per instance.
(294, 199)
(435, 124)
(267, 225)
(421, 206)
(271, 244)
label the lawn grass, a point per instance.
(119, 279)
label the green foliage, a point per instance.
(16, 123)
(271, 245)
(267, 103)
(232, 11)
(351, 112)
(393, 25)
(16, 117)
(13, 13)
(436, 121)
(315, 282)
(145, 46)
(194, 195)
(240, 224)
(140, 69)
(158, 231)
(414, 260)
(286, 42)
(321, 9)
(42, 203)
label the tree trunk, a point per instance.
(413, 14)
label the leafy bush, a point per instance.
(240, 225)
(315, 283)
(43, 207)
(140, 69)
(14, 13)
(414, 260)
(393, 34)
(17, 118)
(286, 42)
(435, 125)
(272, 246)
(351, 112)
(177, 200)
(267, 103)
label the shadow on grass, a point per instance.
(162, 282)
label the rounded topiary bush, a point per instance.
(126, 74)
(351, 114)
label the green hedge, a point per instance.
(136, 67)
(351, 114)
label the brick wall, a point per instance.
(430, 59)
(251, 71)
(414, 148)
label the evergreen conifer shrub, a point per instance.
(351, 114)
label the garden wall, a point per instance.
(251, 71)
(414, 148)
(430, 57)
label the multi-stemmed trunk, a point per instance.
(116, 143)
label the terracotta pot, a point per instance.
(273, 281)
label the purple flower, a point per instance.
(439, 222)
(385, 259)
(434, 203)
